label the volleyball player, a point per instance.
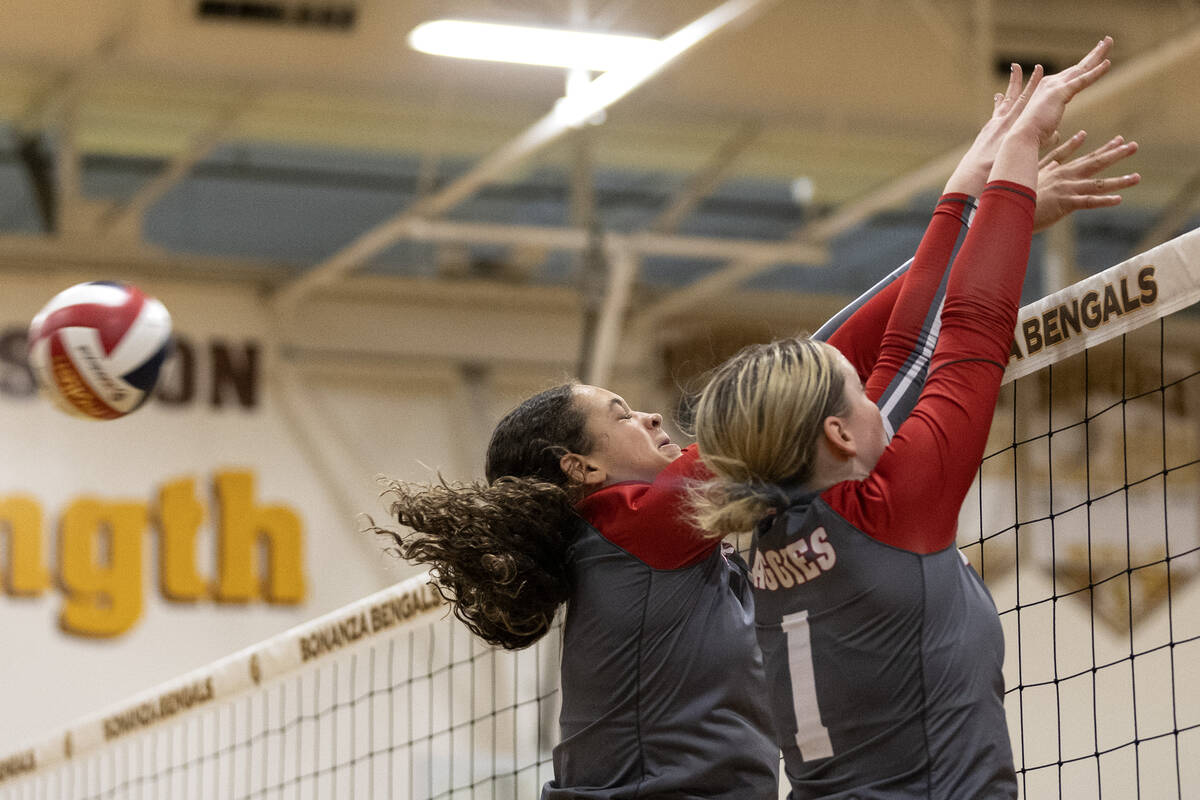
(882, 647)
(663, 691)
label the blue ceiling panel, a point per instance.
(19, 211)
(560, 268)
(408, 258)
(345, 164)
(18, 206)
(298, 206)
(661, 271)
(112, 181)
(271, 221)
(646, 182)
(1107, 236)
(754, 223)
(624, 218)
(523, 205)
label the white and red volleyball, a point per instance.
(97, 348)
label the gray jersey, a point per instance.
(663, 687)
(884, 665)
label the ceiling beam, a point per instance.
(126, 219)
(146, 259)
(65, 88)
(817, 233)
(40, 171)
(81, 256)
(619, 278)
(568, 113)
(1122, 79)
(641, 243)
(527, 258)
(57, 105)
(1060, 261)
(70, 212)
(624, 264)
(704, 182)
(592, 263)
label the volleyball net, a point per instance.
(388, 697)
(1085, 523)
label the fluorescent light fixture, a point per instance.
(518, 44)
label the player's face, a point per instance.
(628, 445)
(863, 420)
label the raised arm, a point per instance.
(1063, 187)
(912, 497)
(857, 329)
(895, 379)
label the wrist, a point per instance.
(968, 179)
(1026, 135)
(1017, 159)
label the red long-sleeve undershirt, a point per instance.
(860, 338)
(648, 520)
(912, 497)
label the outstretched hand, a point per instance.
(1065, 186)
(1039, 109)
(1045, 98)
(971, 173)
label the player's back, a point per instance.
(879, 664)
(662, 684)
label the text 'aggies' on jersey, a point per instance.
(797, 562)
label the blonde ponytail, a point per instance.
(758, 422)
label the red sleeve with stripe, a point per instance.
(904, 325)
(860, 337)
(649, 520)
(912, 498)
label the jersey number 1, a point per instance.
(812, 738)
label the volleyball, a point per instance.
(96, 348)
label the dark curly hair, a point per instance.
(497, 550)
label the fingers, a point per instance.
(1097, 54)
(1094, 57)
(1086, 71)
(1093, 201)
(1064, 150)
(1081, 82)
(1101, 158)
(1124, 181)
(1089, 62)
(1101, 186)
(1013, 90)
(1022, 100)
(1004, 103)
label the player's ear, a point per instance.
(581, 470)
(838, 437)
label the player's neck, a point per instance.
(833, 467)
